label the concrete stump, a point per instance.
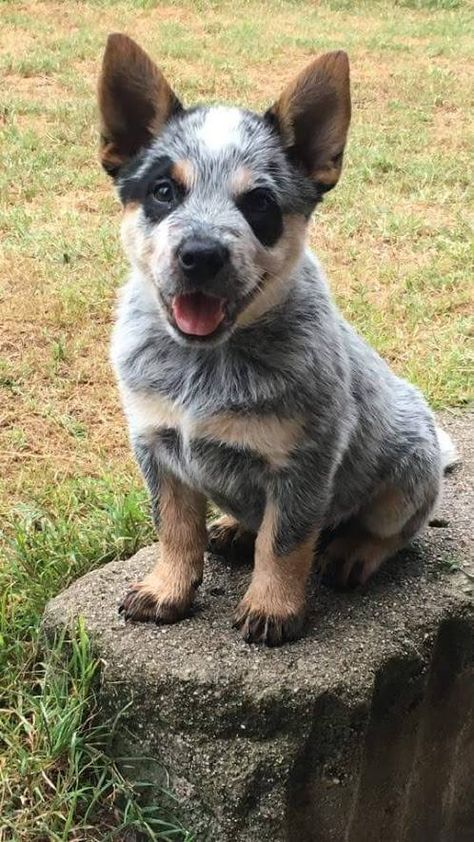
(363, 731)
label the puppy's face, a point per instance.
(214, 218)
(216, 200)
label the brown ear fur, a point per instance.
(313, 115)
(135, 100)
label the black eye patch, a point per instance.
(162, 197)
(262, 212)
(155, 189)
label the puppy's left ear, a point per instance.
(312, 116)
(135, 101)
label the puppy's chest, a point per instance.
(185, 433)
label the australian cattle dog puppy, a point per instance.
(241, 382)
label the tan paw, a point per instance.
(261, 624)
(227, 538)
(356, 571)
(152, 601)
(353, 559)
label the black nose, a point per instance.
(202, 259)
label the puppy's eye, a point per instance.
(257, 201)
(262, 212)
(164, 191)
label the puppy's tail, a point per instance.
(449, 453)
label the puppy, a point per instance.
(241, 382)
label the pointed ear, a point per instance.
(135, 101)
(312, 116)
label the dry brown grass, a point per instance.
(61, 261)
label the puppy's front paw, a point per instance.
(151, 600)
(227, 538)
(261, 624)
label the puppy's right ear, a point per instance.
(135, 101)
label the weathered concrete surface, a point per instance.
(363, 731)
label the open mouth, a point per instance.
(198, 314)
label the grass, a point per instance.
(57, 778)
(57, 781)
(395, 238)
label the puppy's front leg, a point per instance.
(273, 609)
(166, 594)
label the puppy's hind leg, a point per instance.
(382, 527)
(228, 538)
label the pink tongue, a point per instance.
(198, 314)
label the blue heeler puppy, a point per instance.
(240, 380)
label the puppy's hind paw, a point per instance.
(227, 538)
(352, 560)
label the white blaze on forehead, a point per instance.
(221, 127)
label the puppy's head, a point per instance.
(216, 200)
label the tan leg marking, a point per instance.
(166, 594)
(273, 608)
(229, 539)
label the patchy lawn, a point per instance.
(395, 238)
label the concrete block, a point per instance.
(360, 732)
